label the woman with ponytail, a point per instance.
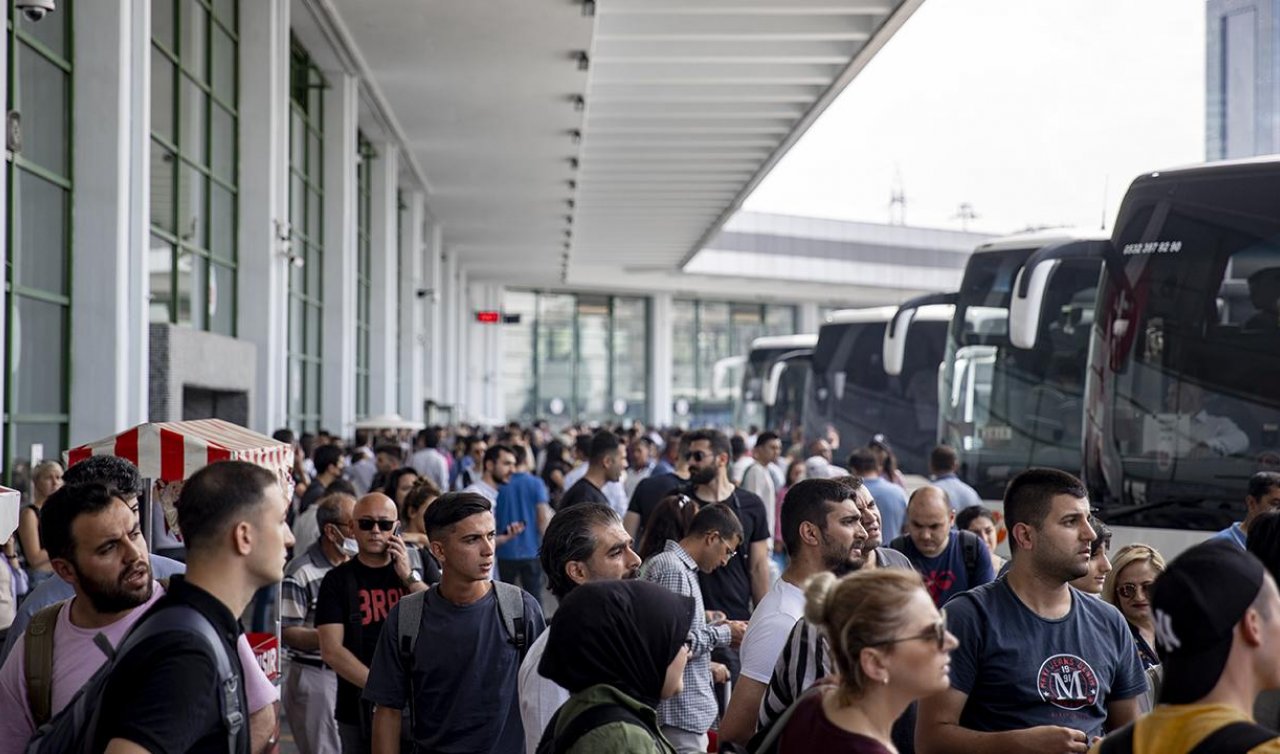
(891, 647)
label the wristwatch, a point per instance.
(415, 577)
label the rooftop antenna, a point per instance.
(965, 213)
(897, 199)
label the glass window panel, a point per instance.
(222, 299)
(50, 435)
(160, 272)
(162, 73)
(296, 324)
(195, 29)
(42, 101)
(555, 355)
(297, 208)
(297, 141)
(225, 11)
(51, 31)
(684, 353)
(311, 388)
(315, 156)
(593, 358)
(779, 319)
(224, 66)
(222, 146)
(163, 188)
(313, 330)
(162, 22)
(631, 356)
(314, 268)
(518, 376)
(39, 358)
(41, 234)
(192, 289)
(191, 193)
(193, 111)
(222, 222)
(315, 216)
(315, 97)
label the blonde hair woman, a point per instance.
(46, 479)
(891, 647)
(1133, 572)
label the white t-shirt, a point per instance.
(767, 632)
(539, 697)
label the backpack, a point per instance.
(586, 721)
(73, 729)
(969, 550)
(1232, 738)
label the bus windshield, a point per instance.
(1184, 404)
(787, 412)
(1004, 408)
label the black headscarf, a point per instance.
(621, 633)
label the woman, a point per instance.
(670, 520)
(619, 648)
(399, 482)
(413, 529)
(982, 521)
(891, 646)
(795, 473)
(1128, 587)
(46, 479)
(1099, 564)
(888, 461)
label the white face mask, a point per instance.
(349, 547)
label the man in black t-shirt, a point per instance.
(606, 461)
(355, 599)
(165, 694)
(653, 489)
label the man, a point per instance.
(1206, 435)
(387, 458)
(472, 465)
(363, 468)
(950, 561)
(497, 465)
(818, 463)
(606, 461)
(713, 539)
(1040, 667)
(891, 500)
(1263, 495)
(523, 499)
(428, 461)
(97, 549)
(582, 544)
(329, 465)
(613, 489)
(310, 688)
(651, 491)
(672, 452)
(461, 683)
(756, 477)
(1217, 616)
(943, 464)
(639, 463)
(741, 458)
(745, 580)
(165, 694)
(822, 529)
(352, 607)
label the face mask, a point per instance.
(349, 547)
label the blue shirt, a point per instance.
(947, 575)
(1020, 670)
(518, 500)
(892, 502)
(959, 494)
(1234, 534)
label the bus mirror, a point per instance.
(1027, 306)
(895, 332)
(772, 382)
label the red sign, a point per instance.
(489, 317)
(266, 648)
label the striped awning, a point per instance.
(173, 451)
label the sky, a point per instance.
(1034, 112)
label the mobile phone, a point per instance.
(396, 531)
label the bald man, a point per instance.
(354, 600)
(950, 561)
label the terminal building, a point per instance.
(1242, 74)
(299, 213)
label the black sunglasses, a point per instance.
(936, 633)
(696, 455)
(367, 524)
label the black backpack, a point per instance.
(73, 729)
(969, 547)
(586, 721)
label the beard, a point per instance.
(112, 595)
(704, 475)
(836, 556)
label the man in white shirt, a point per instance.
(583, 543)
(640, 457)
(498, 464)
(823, 531)
(428, 461)
(1207, 435)
(757, 479)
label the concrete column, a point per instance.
(808, 321)
(484, 355)
(338, 398)
(460, 357)
(384, 271)
(661, 372)
(448, 354)
(262, 303)
(413, 307)
(433, 281)
(110, 221)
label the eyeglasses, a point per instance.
(367, 524)
(696, 455)
(936, 633)
(1129, 591)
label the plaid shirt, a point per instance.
(695, 708)
(300, 590)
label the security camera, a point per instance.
(35, 10)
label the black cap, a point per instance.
(1196, 604)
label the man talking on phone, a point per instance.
(354, 601)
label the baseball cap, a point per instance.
(1197, 603)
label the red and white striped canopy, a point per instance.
(173, 451)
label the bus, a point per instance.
(1183, 386)
(749, 407)
(851, 392)
(785, 389)
(1012, 384)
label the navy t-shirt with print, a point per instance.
(946, 574)
(1020, 670)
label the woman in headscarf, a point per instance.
(618, 647)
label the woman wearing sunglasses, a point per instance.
(891, 647)
(1135, 569)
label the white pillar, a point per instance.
(460, 358)
(484, 354)
(384, 272)
(338, 349)
(413, 307)
(110, 222)
(433, 281)
(262, 301)
(448, 355)
(809, 322)
(661, 370)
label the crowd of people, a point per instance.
(521, 591)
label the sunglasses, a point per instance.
(696, 455)
(367, 524)
(937, 633)
(1129, 591)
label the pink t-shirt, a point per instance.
(76, 658)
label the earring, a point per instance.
(885, 679)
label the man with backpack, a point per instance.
(950, 561)
(355, 599)
(448, 658)
(175, 683)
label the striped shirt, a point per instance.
(695, 708)
(300, 590)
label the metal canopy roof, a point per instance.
(564, 147)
